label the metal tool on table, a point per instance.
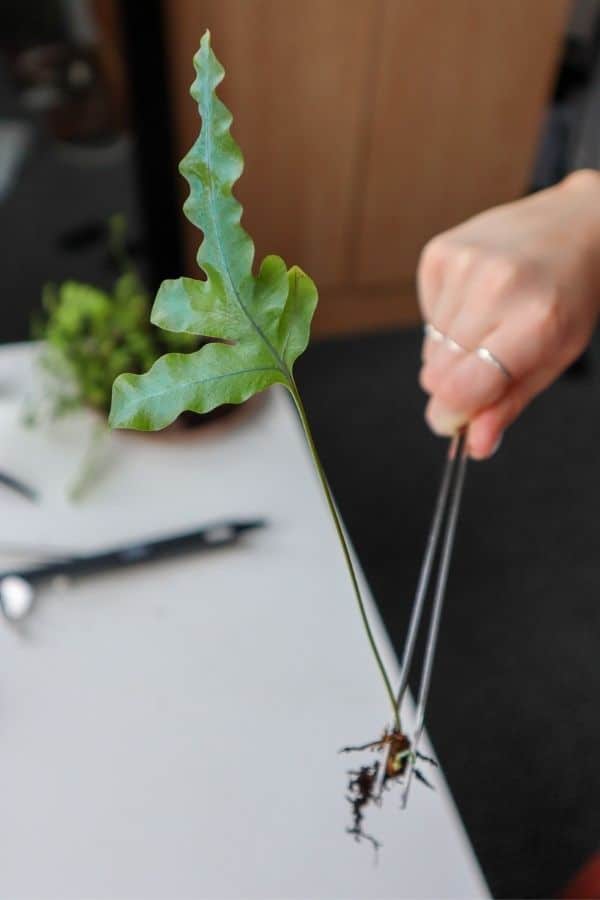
(441, 537)
(18, 486)
(18, 587)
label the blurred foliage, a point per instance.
(90, 335)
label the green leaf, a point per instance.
(264, 318)
(259, 324)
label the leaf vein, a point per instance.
(213, 378)
(209, 153)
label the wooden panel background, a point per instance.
(456, 115)
(368, 126)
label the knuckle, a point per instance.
(425, 304)
(443, 256)
(465, 258)
(503, 274)
(458, 390)
(464, 263)
(434, 253)
(450, 391)
(427, 379)
(432, 264)
(549, 322)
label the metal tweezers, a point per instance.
(445, 514)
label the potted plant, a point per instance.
(88, 336)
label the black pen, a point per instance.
(18, 587)
(18, 486)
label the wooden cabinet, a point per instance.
(368, 126)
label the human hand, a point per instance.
(522, 281)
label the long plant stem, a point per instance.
(346, 551)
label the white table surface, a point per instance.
(171, 731)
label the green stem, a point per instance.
(345, 550)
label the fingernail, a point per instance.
(444, 422)
(496, 446)
(478, 457)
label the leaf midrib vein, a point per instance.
(213, 378)
(208, 125)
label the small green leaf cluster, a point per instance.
(91, 336)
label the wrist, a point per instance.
(583, 188)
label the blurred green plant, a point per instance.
(90, 336)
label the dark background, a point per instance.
(513, 711)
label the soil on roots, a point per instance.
(367, 784)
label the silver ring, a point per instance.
(488, 357)
(454, 345)
(439, 337)
(432, 332)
